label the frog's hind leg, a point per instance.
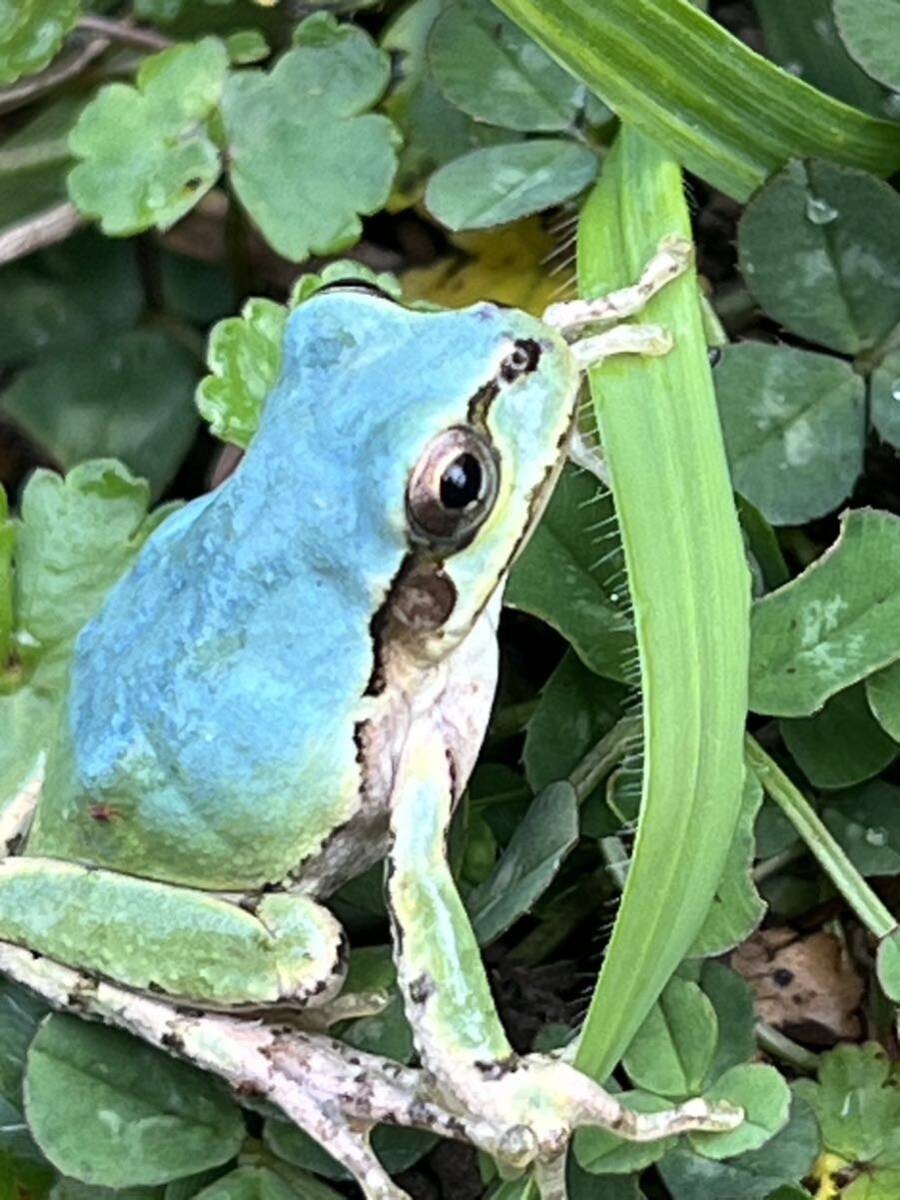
(525, 1108)
(191, 946)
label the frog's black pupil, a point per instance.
(461, 482)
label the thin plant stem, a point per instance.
(840, 870)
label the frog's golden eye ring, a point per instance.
(452, 488)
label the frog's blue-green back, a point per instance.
(209, 737)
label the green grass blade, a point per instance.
(690, 589)
(727, 114)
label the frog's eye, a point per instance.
(453, 487)
(521, 360)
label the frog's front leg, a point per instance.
(525, 1108)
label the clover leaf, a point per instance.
(244, 353)
(31, 32)
(307, 156)
(147, 155)
(857, 1103)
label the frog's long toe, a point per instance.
(537, 1104)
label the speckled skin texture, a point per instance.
(210, 733)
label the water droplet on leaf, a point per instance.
(820, 211)
(876, 835)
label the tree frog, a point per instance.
(293, 681)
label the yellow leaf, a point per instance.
(826, 1173)
(520, 264)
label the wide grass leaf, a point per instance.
(110, 1110)
(498, 184)
(727, 114)
(820, 250)
(831, 626)
(147, 156)
(795, 428)
(690, 589)
(308, 156)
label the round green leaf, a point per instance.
(831, 626)
(857, 1103)
(486, 65)
(397, 1148)
(129, 397)
(501, 183)
(107, 1109)
(672, 1051)
(888, 963)
(244, 355)
(246, 46)
(755, 1175)
(434, 131)
(820, 250)
(841, 745)
(147, 155)
(794, 426)
(31, 32)
(307, 157)
(884, 392)
(883, 693)
(870, 29)
(71, 294)
(248, 1183)
(866, 822)
(765, 1097)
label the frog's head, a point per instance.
(481, 482)
(430, 443)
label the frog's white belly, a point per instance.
(457, 694)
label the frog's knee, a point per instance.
(154, 937)
(310, 945)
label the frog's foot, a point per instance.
(347, 1007)
(333, 1093)
(672, 259)
(528, 1108)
